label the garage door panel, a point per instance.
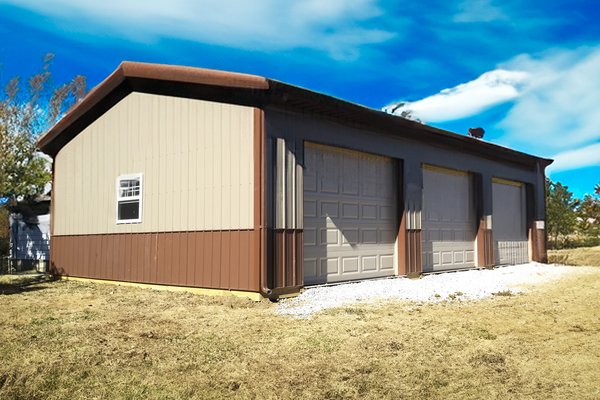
(446, 257)
(350, 265)
(310, 208)
(329, 236)
(310, 266)
(310, 236)
(387, 236)
(470, 256)
(509, 223)
(385, 176)
(387, 263)
(448, 221)
(456, 253)
(330, 266)
(357, 226)
(368, 187)
(310, 178)
(329, 209)
(369, 211)
(350, 169)
(368, 236)
(350, 236)
(350, 211)
(329, 174)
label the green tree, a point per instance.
(27, 109)
(589, 214)
(561, 217)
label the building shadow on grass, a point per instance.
(16, 284)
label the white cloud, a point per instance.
(339, 27)
(561, 103)
(586, 156)
(478, 11)
(555, 103)
(490, 89)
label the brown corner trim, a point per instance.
(260, 200)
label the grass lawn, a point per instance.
(580, 256)
(71, 340)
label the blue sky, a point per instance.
(526, 71)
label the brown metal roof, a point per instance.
(256, 91)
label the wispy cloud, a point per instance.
(573, 159)
(479, 11)
(490, 89)
(339, 27)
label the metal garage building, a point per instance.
(190, 177)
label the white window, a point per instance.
(129, 199)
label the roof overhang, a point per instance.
(255, 91)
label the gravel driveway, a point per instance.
(463, 285)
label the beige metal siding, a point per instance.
(196, 158)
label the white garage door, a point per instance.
(448, 232)
(509, 223)
(350, 219)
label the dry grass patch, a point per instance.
(85, 341)
(578, 256)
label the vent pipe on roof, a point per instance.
(477, 133)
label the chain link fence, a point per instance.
(12, 266)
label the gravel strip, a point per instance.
(463, 285)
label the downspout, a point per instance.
(264, 287)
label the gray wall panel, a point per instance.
(320, 130)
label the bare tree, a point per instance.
(27, 109)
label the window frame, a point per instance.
(119, 199)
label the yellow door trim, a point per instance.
(506, 182)
(444, 170)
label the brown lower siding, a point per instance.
(485, 247)
(537, 244)
(288, 259)
(410, 257)
(409, 249)
(207, 259)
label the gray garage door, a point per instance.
(448, 220)
(350, 218)
(509, 223)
